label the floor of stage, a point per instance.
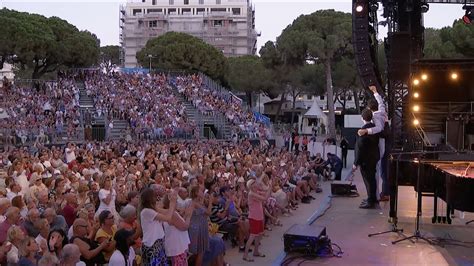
(348, 226)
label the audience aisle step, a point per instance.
(218, 120)
(86, 104)
(119, 130)
(191, 112)
(84, 99)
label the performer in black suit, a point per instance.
(366, 157)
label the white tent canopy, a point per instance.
(316, 112)
(3, 114)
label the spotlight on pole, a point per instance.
(359, 8)
(416, 95)
(425, 7)
(416, 122)
(454, 76)
(424, 77)
(469, 15)
(374, 6)
(416, 108)
(416, 82)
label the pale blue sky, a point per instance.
(272, 16)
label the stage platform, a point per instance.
(348, 226)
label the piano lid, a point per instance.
(456, 168)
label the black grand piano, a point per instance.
(442, 175)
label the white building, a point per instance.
(6, 71)
(229, 25)
(303, 102)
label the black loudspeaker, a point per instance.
(307, 239)
(365, 45)
(343, 188)
(398, 55)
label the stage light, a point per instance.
(469, 15)
(416, 122)
(454, 76)
(416, 95)
(416, 108)
(425, 7)
(424, 77)
(359, 8)
(416, 82)
(374, 6)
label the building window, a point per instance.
(172, 11)
(235, 11)
(349, 98)
(155, 10)
(171, 2)
(218, 10)
(186, 11)
(137, 11)
(153, 24)
(153, 2)
(321, 97)
(201, 11)
(201, 2)
(218, 2)
(186, 2)
(218, 23)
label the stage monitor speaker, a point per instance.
(343, 188)
(307, 239)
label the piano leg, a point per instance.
(449, 211)
(435, 209)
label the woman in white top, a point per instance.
(151, 220)
(176, 235)
(124, 255)
(19, 175)
(107, 197)
(14, 236)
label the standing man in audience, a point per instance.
(344, 147)
(366, 157)
(378, 109)
(70, 152)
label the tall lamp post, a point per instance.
(150, 57)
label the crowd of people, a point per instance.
(51, 110)
(146, 102)
(150, 203)
(212, 102)
(42, 112)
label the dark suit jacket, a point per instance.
(367, 149)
